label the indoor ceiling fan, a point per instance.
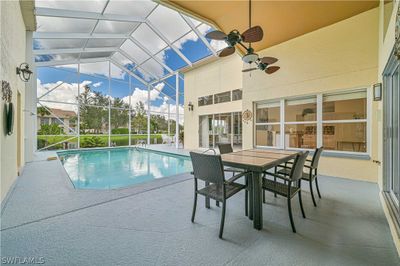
(252, 34)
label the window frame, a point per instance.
(319, 123)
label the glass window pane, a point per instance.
(176, 26)
(170, 58)
(134, 51)
(149, 39)
(138, 120)
(136, 8)
(93, 120)
(119, 120)
(222, 97)
(58, 43)
(222, 128)
(118, 27)
(345, 136)
(268, 135)
(55, 24)
(304, 109)
(99, 69)
(57, 84)
(91, 6)
(268, 112)
(237, 130)
(56, 57)
(119, 58)
(57, 118)
(205, 100)
(345, 106)
(95, 55)
(192, 47)
(93, 43)
(153, 67)
(301, 136)
(205, 131)
(237, 95)
(193, 20)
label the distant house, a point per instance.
(64, 118)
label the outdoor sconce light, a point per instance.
(190, 105)
(377, 91)
(24, 72)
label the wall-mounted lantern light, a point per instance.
(190, 106)
(377, 91)
(24, 72)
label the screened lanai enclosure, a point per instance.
(108, 72)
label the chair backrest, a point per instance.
(316, 156)
(297, 169)
(224, 148)
(208, 167)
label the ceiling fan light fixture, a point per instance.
(250, 58)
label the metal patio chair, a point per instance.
(310, 172)
(291, 187)
(227, 148)
(209, 168)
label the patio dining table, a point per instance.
(257, 161)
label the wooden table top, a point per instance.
(257, 159)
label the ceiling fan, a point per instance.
(252, 34)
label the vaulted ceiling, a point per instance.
(280, 20)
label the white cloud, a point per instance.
(97, 84)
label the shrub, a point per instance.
(52, 129)
(92, 142)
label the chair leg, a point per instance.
(275, 171)
(312, 193)
(290, 214)
(275, 182)
(246, 198)
(263, 196)
(207, 199)
(217, 203)
(301, 205)
(316, 184)
(194, 206)
(221, 227)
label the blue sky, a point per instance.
(194, 50)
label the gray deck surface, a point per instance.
(149, 224)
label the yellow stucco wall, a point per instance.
(12, 54)
(338, 57)
(210, 79)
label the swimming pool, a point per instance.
(120, 167)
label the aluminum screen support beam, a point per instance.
(177, 111)
(61, 13)
(148, 114)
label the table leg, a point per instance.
(207, 198)
(250, 187)
(257, 201)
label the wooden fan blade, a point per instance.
(227, 51)
(272, 69)
(268, 60)
(216, 35)
(254, 34)
(249, 69)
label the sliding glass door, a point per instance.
(391, 108)
(220, 128)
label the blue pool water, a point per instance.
(120, 167)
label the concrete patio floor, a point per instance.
(149, 224)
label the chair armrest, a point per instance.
(235, 177)
(278, 176)
(309, 166)
(210, 150)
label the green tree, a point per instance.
(42, 111)
(120, 116)
(139, 119)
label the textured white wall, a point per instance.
(12, 54)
